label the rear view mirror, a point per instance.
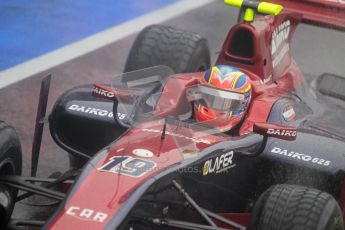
(282, 132)
(269, 130)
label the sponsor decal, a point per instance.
(280, 46)
(129, 166)
(95, 111)
(142, 153)
(188, 153)
(280, 35)
(86, 214)
(178, 135)
(103, 92)
(276, 60)
(268, 79)
(282, 132)
(288, 133)
(289, 113)
(300, 156)
(219, 164)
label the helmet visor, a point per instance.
(220, 100)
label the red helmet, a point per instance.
(225, 93)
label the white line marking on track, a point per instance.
(96, 41)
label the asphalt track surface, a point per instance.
(316, 51)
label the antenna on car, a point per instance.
(164, 129)
(251, 6)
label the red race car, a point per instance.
(142, 159)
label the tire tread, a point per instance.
(165, 45)
(290, 207)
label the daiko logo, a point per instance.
(286, 133)
(86, 214)
(103, 92)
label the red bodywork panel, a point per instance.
(328, 13)
(273, 71)
(104, 191)
(261, 48)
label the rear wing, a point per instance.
(326, 13)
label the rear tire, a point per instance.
(182, 51)
(10, 164)
(290, 207)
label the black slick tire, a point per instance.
(182, 51)
(290, 207)
(10, 164)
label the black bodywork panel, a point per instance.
(82, 124)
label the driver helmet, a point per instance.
(225, 93)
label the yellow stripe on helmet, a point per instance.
(211, 75)
(247, 89)
(238, 75)
(214, 69)
(230, 115)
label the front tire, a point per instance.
(10, 164)
(182, 51)
(290, 207)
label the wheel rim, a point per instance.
(6, 193)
